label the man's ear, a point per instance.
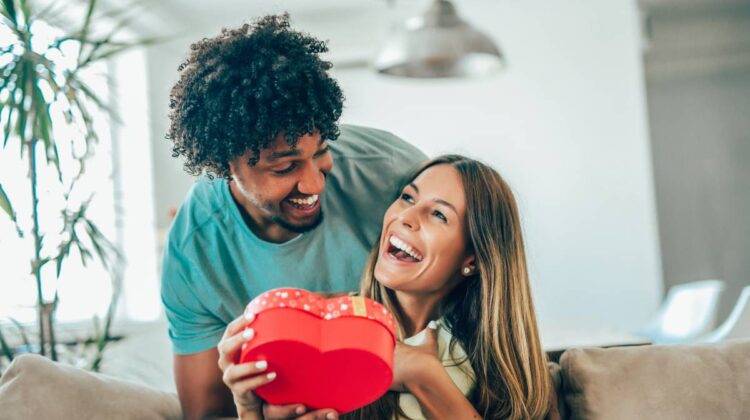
(468, 266)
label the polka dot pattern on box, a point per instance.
(331, 308)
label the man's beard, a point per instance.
(297, 228)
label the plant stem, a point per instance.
(46, 310)
(36, 263)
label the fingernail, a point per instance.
(331, 416)
(262, 365)
(271, 376)
(249, 316)
(248, 334)
(432, 325)
(300, 410)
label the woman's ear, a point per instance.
(468, 266)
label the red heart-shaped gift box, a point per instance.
(328, 353)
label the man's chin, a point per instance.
(300, 227)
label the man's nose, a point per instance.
(312, 182)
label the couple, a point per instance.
(256, 107)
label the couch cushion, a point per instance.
(557, 405)
(36, 388)
(658, 382)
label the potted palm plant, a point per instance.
(44, 90)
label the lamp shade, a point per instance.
(438, 43)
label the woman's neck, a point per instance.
(418, 311)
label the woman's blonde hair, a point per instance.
(491, 314)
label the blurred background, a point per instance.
(623, 127)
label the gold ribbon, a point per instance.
(358, 306)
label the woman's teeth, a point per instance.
(305, 202)
(403, 246)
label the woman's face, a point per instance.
(423, 244)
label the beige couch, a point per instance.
(647, 382)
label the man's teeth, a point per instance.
(309, 201)
(398, 243)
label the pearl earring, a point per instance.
(467, 270)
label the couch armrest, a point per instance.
(34, 387)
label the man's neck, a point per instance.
(261, 225)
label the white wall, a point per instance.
(699, 102)
(565, 124)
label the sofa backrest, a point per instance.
(657, 382)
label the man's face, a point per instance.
(281, 192)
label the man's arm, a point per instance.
(200, 387)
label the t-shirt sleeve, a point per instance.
(192, 327)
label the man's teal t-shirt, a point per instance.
(214, 264)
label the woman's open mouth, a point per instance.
(403, 251)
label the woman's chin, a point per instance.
(388, 278)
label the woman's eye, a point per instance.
(408, 198)
(286, 170)
(440, 216)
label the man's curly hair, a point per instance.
(243, 88)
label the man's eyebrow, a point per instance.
(289, 153)
(280, 155)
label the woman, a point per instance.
(451, 251)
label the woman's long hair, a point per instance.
(490, 314)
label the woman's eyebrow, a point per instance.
(445, 203)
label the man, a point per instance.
(291, 198)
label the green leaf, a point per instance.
(64, 252)
(26, 11)
(12, 65)
(9, 11)
(8, 128)
(21, 332)
(105, 250)
(84, 32)
(6, 205)
(43, 127)
(22, 84)
(93, 96)
(5, 347)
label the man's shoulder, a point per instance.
(358, 141)
(370, 166)
(200, 207)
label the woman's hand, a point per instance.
(242, 378)
(409, 362)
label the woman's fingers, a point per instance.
(430, 337)
(326, 414)
(234, 373)
(290, 411)
(229, 348)
(238, 324)
(245, 386)
(297, 411)
(230, 345)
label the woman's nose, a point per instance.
(409, 218)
